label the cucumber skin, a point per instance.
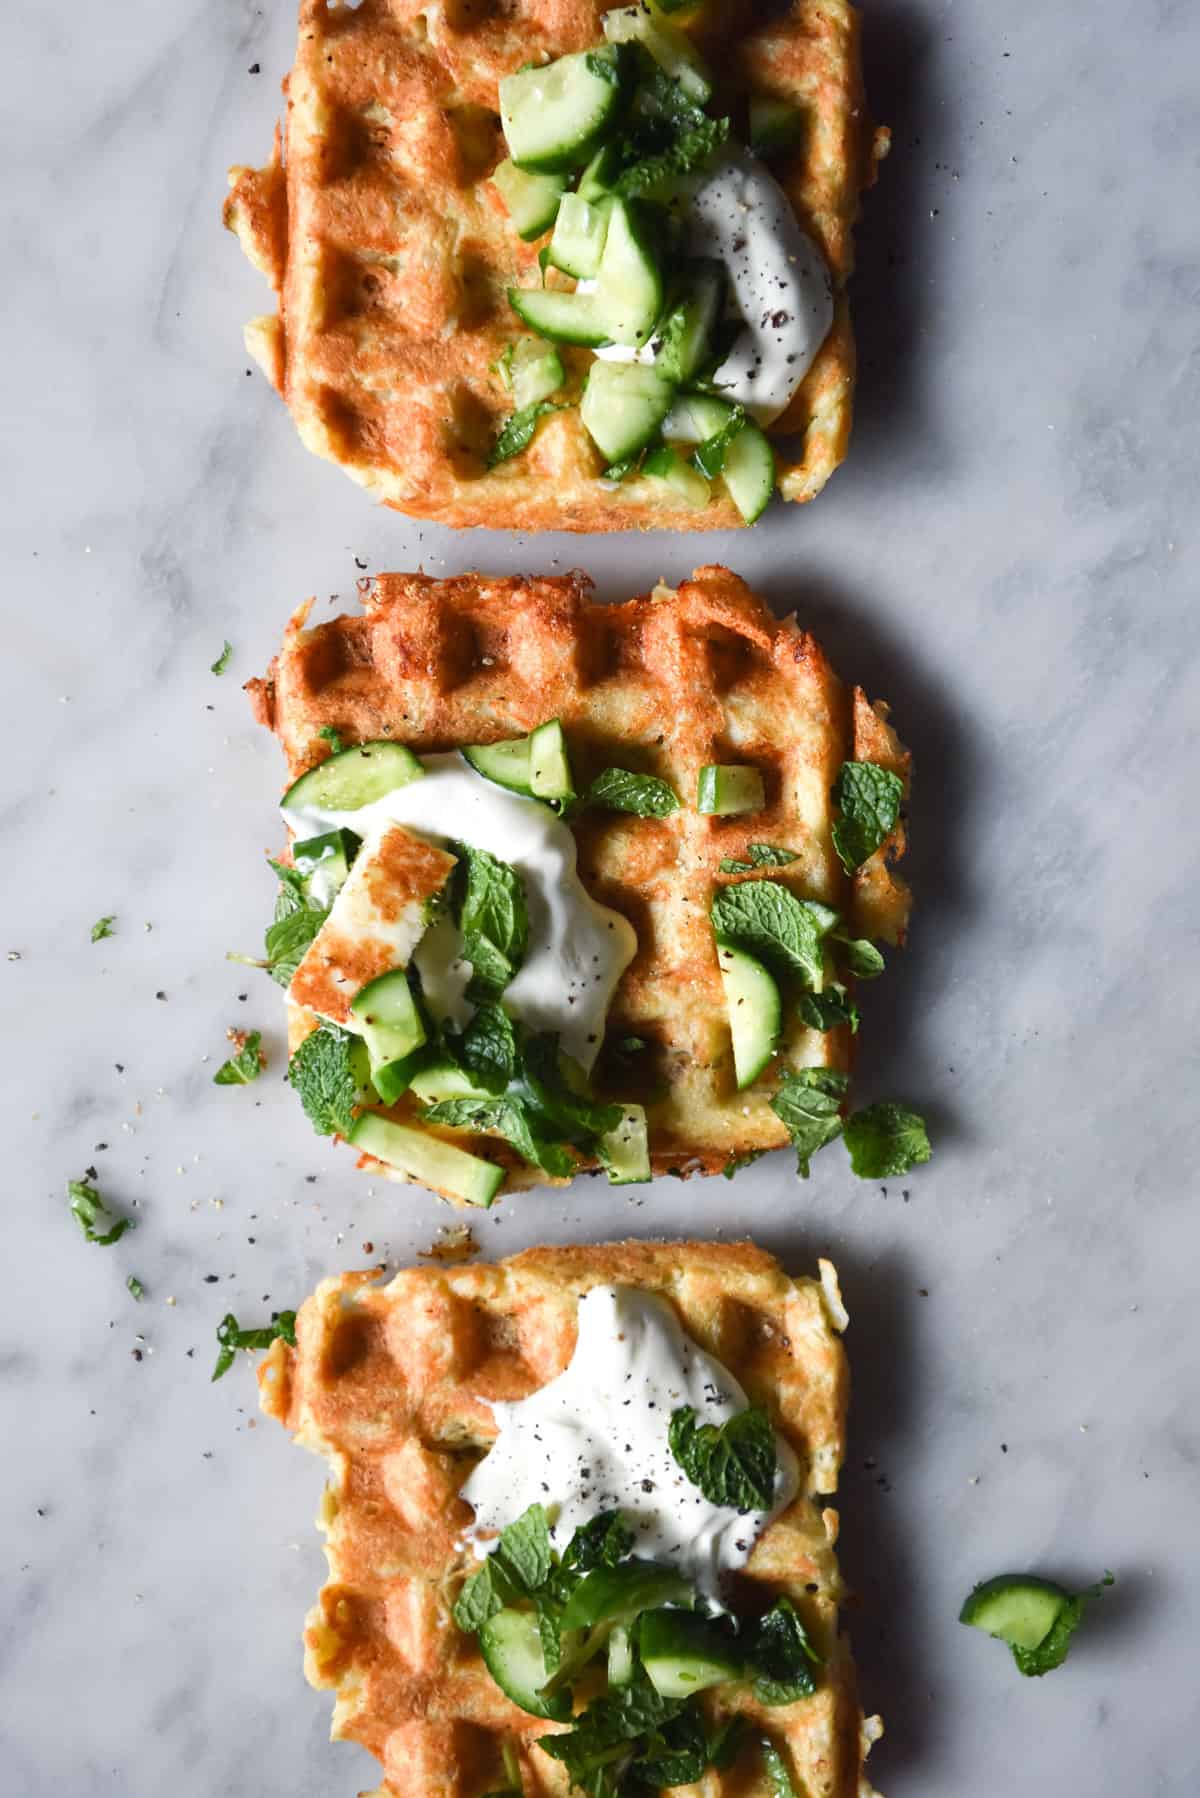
(337, 771)
(581, 322)
(497, 1650)
(1000, 1601)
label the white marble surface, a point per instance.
(1010, 555)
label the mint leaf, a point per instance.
(518, 431)
(825, 1011)
(322, 1072)
(620, 1716)
(642, 795)
(222, 661)
(494, 920)
(733, 1463)
(767, 919)
(104, 927)
(885, 1140)
(860, 955)
(601, 1542)
(480, 1599)
(333, 737)
(487, 1048)
(508, 1118)
(1052, 1650)
(690, 150)
(736, 1163)
(782, 1656)
(98, 1223)
(287, 941)
(135, 1287)
(677, 1753)
(709, 457)
(758, 855)
(779, 1779)
(231, 1337)
(808, 1103)
(868, 798)
(243, 1067)
(575, 1115)
(523, 1551)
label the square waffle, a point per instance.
(661, 684)
(390, 251)
(390, 1384)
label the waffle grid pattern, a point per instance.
(391, 1383)
(390, 250)
(662, 684)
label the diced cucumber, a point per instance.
(511, 1646)
(351, 779)
(683, 1653)
(694, 418)
(439, 1080)
(1019, 1608)
(724, 791)
(532, 200)
(749, 472)
(562, 317)
(554, 116)
(549, 763)
(619, 1594)
(579, 233)
(386, 1014)
(623, 405)
(755, 1013)
(620, 1656)
(667, 45)
(436, 1164)
(506, 763)
(629, 288)
(683, 340)
(666, 464)
(625, 1151)
(325, 863)
(535, 371)
(599, 178)
(775, 125)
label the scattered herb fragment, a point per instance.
(782, 1656)
(98, 1223)
(886, 1140)
(758, 855)
(333, 737)
(231, 1337)
(828, 1009)
(809, 1103)
(104, 927)
(246, 1064)
(135, 1287)
(518, 431)
(222, 661)
(641, 795)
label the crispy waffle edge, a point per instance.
(389, 251)
(390, 1384)
(665, 682)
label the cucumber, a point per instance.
(599, 178)
(621, 1666)
(683, 1653)
(755, 1012)
(325, 863)
(506, 763)
(725, 791)
(425, 1158)
(549, 764)
(618, 1594)
(1019, 1608)
(535, 371)
(532, 200)
(629, 287)
(554, 116)
(623, 406)
(749, 472)
(579, 233)
(667, 45)
(683, 340)
(666, 464)
(775, 125)
(694, 418)
(439, 1080)
(351, 779)
(562, 317)
(511, 1646)
(625, 1151)
(390, 1023)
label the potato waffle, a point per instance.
(390, 251)
(662, 684)
(391, 1383)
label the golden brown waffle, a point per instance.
(390, 1384)
(662, 684)
(390, 250)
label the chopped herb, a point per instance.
(776, 1768)
(222, 661)
(135, 1287)
(98, 1223)
(826, 1010)
(809, 1103)
(104, 927)
(1052, 1650)
(642, 795)
(616, 471)
(766, 918)
(510, 1119)
(691, 149)
(244, 1066)
(298, 918)
(323, 1073)
(231, 1337)
(886, 1140)
(868, 798)
(782, 1656)
(861, 956)
(758, 855)
(732, 1463)
(333, 737)
(487, 1048)
(709, 457)
(494, 920)
(518, 431)
(736, 1163)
